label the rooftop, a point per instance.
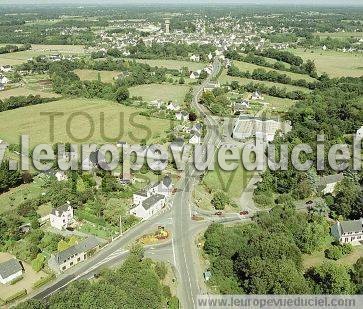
(84, 246)
(152, 200)
(9, 268)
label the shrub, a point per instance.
(333, 253)
(15, 296)
(43, 280)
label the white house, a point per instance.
(194, 58)
(73, 255)
(210, 56)
(61, 217)
(61, 176)
(10, 271)
(3, 79)
(157, 103)
(241, 106)
(195, 74)
(173, 106)
(195, 139)
(359, 133)
(256, 96)
(348, 231)
(6, 68)
(182, 116)
(151, 199)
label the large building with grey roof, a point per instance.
(348, 231)
(63, 260)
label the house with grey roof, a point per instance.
(63, 260)
(10, 270)
(151, 199)
(348, 231)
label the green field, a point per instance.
(25, 91)
(340, 35)
(224, 78)
(164, 92)
(23, 56)
(106, 76)
(232, 183)
(30, 121)
(172, 64)
(11, 199)
(244, 66)
(334, 63)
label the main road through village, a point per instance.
(180, 251)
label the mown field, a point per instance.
(105, 76)
(340, 35)
(224, 78)
(164, 92)
(25, 91)
(244, 66)
(22, 56)
(172, 64)
(84, 116)
(334, 63)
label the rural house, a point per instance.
(73, 255)
(10, 271)
(61, 217)
(348, 231)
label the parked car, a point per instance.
(243, 213)
(218, 213)
(309, 202)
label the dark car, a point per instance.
(219, 213)
(243, 212)
(309, 202)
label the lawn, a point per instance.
(105, 76)
(334, 63)
(11, 199)
(245, 66)
(232, 183)
(22, 56)
(25, 91)
(86, 115)
(340, 35)
(172, 64)
(316, 258)
(224, 78)
(278, 104)
(164, 92)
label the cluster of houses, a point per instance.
(152, 199)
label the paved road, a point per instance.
(113, 253)
(183, 239)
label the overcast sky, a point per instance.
(277, 2)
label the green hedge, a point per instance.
(42, 281)
(15, 296)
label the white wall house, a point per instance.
(151, 199)
(10, 270)
(61, 217)
(6, 68)
(195, 139)
(348, 231)
(328, 183)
